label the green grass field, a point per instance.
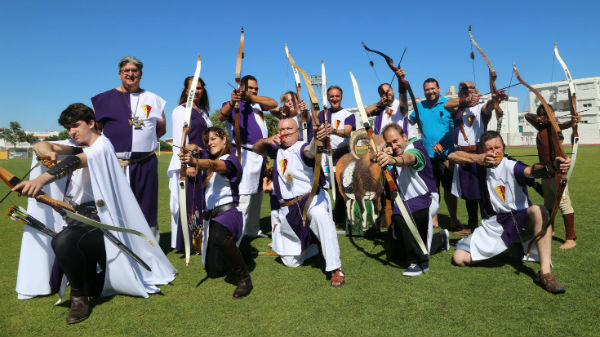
(495, 299)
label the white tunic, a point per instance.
(148, 107)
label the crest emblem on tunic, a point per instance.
(390, 112)
(336, 123)
(500, 190)
(136, 122)
(146, 109)
(283, 165)
(471, 119)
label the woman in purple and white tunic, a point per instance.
(223, 219)
(133, 119)
(199, 122)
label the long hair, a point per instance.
(204, 104)
(219, 133)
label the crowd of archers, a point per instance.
(108, 174)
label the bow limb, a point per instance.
(395, 69)
(303, 113)
(327, 143)
(318, 144)
(493, 77)
(572, 93)
(236, 114)
(388, 177)
(64, 208)
(557, 140)
(183, 216)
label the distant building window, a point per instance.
(587, 105)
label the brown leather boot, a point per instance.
(235, 261)
(80, 307)
(549, 283)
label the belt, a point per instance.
(470, 148)
(127, 162)
(207, 215)
(293, 201)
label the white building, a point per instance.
(588, 106)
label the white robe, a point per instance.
(123, 275)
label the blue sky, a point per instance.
(60, 52)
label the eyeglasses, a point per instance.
(127, 71)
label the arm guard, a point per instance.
(65, 167)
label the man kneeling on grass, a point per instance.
(506, 208)
(292, 178)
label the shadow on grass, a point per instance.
(512, 257)
(165, 242)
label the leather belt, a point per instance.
(207, 215)
(127, 162)
(293, 201)
(470, 148)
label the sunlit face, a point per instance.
(290, 104)
(81, 132)
(252, 88)
(199, 91)
(494, 146)
(216, 144)
(432, 91)
(395, 140)
(130, 75)
(388, 93)
(288, 132)
(334, 96)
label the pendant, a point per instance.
(136, 122)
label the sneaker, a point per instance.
(445, 240)
(549, 283)
(338, 278)
(413, 270)
(425, 266)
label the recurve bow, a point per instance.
(66, 210)
(388, 177)
(557, 138)
(493, 77)
(330, 165)
(572, 106)
(314, 103)
(394, 68)
(183, 216)
(236, 114)
(303, 113)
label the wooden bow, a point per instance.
(327, 144)
(388, 177)
(303, 114)
(236, 115)
(66, 210)
(395, 69)
(183, 216)
(493, 77)
(557, 139)
(314, 103)
(573, 107)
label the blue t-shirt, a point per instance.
(437, 126)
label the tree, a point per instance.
(164, 146)
(61, 136)
(15, 134)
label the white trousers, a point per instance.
(250, 205)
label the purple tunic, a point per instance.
(250, 131)
(294, 216)
(113, 112)
(426, 174)
(231, 219)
